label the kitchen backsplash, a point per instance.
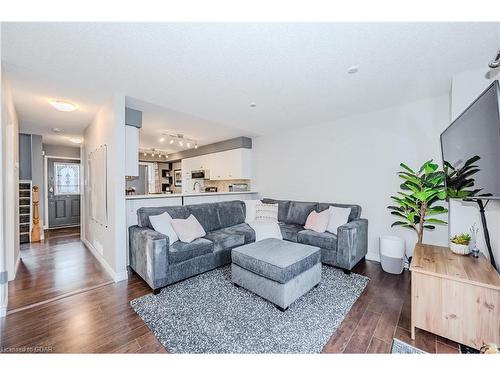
(223, 186)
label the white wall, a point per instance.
(466, 87)
(3, 266)
(355, 160)
(108, 243)
(61, 150)
(10, 180)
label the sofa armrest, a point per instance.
(148, 254)
(352, 243)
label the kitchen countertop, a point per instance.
(161, 196)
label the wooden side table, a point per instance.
(455, 296)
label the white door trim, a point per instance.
(46, 190)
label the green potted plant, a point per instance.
(417, 203)
(459, 243)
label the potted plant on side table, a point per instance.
(459, 244)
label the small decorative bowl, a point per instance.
(459, 249)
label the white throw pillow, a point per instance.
(338, 216)
(266, 212)
(250, 209)
(188, 229)
(162, 224)
(266, 229)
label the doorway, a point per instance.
(63, 192)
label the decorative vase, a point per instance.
(459, 249)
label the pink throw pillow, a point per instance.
(188, 229)
(317, 221)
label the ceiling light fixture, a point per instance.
(63, 106)
(188, 144)
(171, 141)
(353, 69)
(181, 143)
(195, 145)
(162, 139)
(56, 130)
(76, 140)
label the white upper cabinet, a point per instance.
(132, 154)
(226, 165)
(231, 165)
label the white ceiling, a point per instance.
(158, 121)
(295, 73)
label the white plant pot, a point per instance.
(459, 249)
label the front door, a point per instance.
(63, 189)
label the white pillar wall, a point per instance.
(3, 266)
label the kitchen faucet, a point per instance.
(194, 186)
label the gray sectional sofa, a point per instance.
(160, 264)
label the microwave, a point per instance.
(200, 174)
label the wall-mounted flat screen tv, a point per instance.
(471, 149)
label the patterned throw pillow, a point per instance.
(266, 212)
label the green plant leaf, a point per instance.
(403, 165)
(435, 221)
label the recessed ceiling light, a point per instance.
(171, 141)
(181, 143)
(253, 105)
(162, 139)
(195, 145)
(76, 140)
(353, 69)
(63, 106)
(56, 130)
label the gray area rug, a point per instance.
(207, 314)
(400, 347)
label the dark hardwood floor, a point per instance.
(57, 266)
(381, 313)
(101, 320)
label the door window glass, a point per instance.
(67, 178)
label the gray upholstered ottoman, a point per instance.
(279, 271)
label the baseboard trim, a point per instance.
(16, 267)
(373, 257)
(116, 276)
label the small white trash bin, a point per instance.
(392, 253)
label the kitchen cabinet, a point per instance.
(132, 157)
(226, 165)
(231, 165)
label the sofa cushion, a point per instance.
(223, 239)
(323, 240)
(176, 212)
(275, 259)
(298, 212)
(290, 231)
(231, 213)
(283, 207)
(355, 209)
(181, 251)
(207, 214)
(244, 229)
